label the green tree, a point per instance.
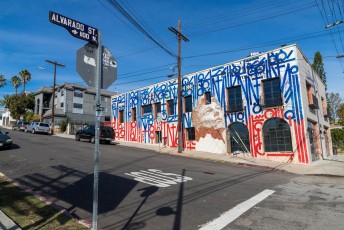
(26, 76)
(2, 80)
(340, 114)
(19, 104)
(333, 104)
(337, 136)
(318, 67)
(16, 82)
(6, 101)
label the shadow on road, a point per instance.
(79, 192)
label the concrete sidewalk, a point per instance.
(333, 166)
(6, 223)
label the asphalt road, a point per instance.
(142, 189)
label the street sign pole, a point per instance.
(96, 148)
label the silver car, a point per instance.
(38, 127)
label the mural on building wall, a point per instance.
(211, 121)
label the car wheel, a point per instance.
(93, 140)
(77, 137)
(33, 131)
(107, 142)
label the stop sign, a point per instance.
(86, 65)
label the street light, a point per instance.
(53, 106)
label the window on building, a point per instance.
(157, 110)
(312, 99)
(239, 137)
(277, 137)
(207, 97)
(37, 111)
(61, 105)
(234, 99)
(170, 107)
(121, 116)
(324, 107)
(62, 93)
(77, 105)
(133, 114)
(314, 139)
(188, 104)
(190, 134)
(272, 92)
(147, 109)
(78, 94)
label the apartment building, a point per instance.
(74, 101)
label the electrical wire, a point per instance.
(117, 6)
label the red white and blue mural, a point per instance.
(211, 121)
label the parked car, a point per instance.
(5, 140)
(38, 127)
(20, 125)
(106, 134)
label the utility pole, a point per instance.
(53, 106)
(180, 37)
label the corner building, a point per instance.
(271, 104)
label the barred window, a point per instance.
(272, 92)
(277, 137)
(234, 99)
(239, 137)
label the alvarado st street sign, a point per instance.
(77, 29)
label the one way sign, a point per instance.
(77, 29)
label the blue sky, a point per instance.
(234, 28)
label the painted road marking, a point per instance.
(229, 216)
(158, 178)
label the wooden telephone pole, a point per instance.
(53, 106)
(180, 37)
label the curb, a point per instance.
(48, 202)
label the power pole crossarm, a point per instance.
(53, 102)
(180, 37)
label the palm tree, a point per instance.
(2, 80)
(16, 82)
(26, 76)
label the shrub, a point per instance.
(337, 136)
(63, 125)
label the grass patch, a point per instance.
(31, 213)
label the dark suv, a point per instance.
(20, 125)
(106, 134)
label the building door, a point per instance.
(313, 140)
(158, 137)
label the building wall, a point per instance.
(212, 122)
(322, 136)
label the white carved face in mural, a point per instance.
(209, 116)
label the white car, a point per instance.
(38, 127)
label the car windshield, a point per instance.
(44, 125)
(2, 132)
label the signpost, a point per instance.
(93, 63)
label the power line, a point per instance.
(116, 5)
(254, 20)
